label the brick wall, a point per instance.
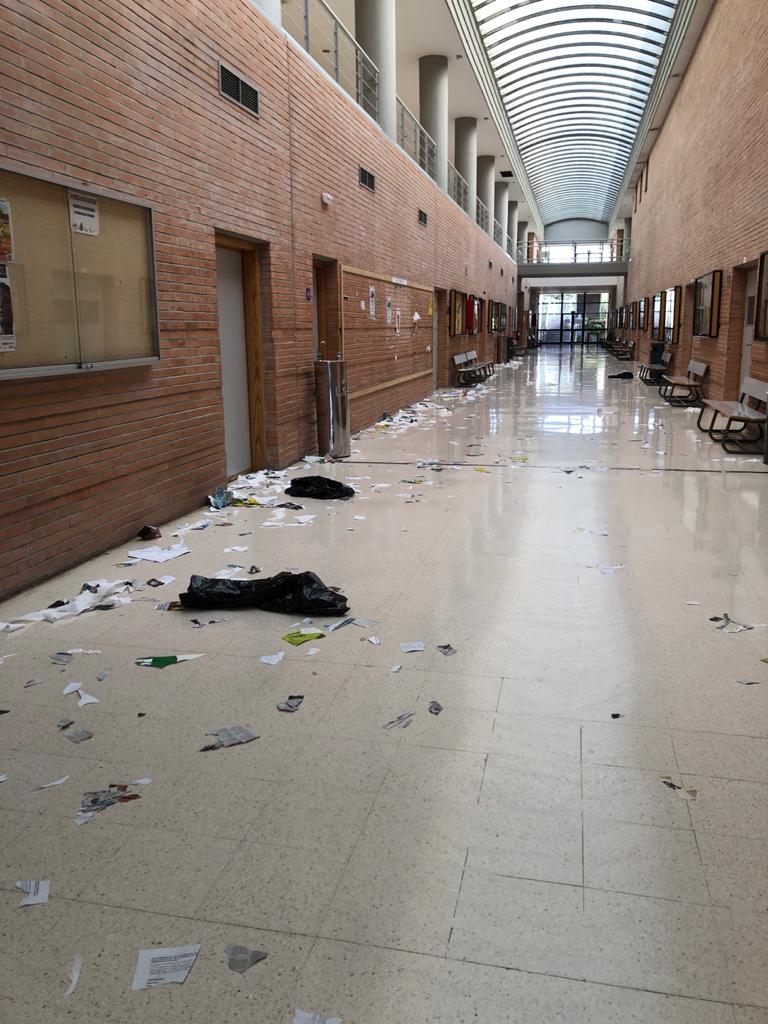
(122, 97)
(705, 206)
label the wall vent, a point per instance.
(422, 217)
(367, 180)
(235, 88)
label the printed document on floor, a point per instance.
(163, 966)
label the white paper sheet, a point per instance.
(56, 782)
(5, 657)
(3, 778)
(237, 547)
(412, 646)
(302, 1017)
(163, 966)
(313, 651)
(106, 592)
(159, 554)
(37, 892)
(272, 659)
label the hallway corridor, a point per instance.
(516, 859)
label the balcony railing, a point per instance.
(599, 251)
(498, 234)
(313, 24)
(458, 189)
(415, 139)
(481, 214)
(511, 247)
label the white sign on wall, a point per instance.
(83, 214)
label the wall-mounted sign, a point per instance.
(7, 335)
(6, 232)
(397, 321)
(399, 280)
(371, 302)
(83, 214)
(389, 309)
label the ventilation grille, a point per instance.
(232, 86)
(422, 217)
(367, 180)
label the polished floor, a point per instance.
(517, 859)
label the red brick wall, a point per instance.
(122, 97)
(705, 207)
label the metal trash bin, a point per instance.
(332, 400)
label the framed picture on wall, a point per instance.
(458, 313)
(642, 314)
(672, 302)
(470, 315)
(503, 318)
(656, 304)
(706, 305)
(761, 313)
(632, 307)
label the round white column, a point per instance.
(375, 31)
(433, 109)
(465, 156)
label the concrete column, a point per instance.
(375, 32)
(271, 8)
(512, 221)
(465, 151)
(433, 109)
(522, 230)
(501, 209)
(486, 175)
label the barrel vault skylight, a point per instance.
(575, 78)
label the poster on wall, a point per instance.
(83, 214)
(6, 232)
(471, 328)
(397, 321)
(477, 316)
(371, 302)
(389, 309)
(7, 335)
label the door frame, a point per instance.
(251, 262)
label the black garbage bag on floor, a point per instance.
(318, 487)
(301, 592)
(624, 375)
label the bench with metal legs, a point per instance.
(684, 390)
(748, 435)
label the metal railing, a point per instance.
(313, 24)
(511, 247)
(415, 139)
(498, 234)
(599, 251)
(481, 213)
(458, 188)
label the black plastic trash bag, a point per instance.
(624, 375)
(318, 487)
(301, 592)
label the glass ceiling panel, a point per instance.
(575, 78)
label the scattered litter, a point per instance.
(693, 604)
(750, 682)
(729, 625)
(74, 974)
(374, 640)
(291, 505)
(286, 592)
(99, 799)
(64, 723)
(615, 714)
(221, 498)
(299, 637)
(3, 778)
(236, 547)
(5, 657)
(305, 520)
(366, 623)
(446, 649)
(158, 554)
(607, 570)
(481, 469)
(242, 959)
(9, 627)
(313, 651)
(79, 735)
(396, 668)
(320, 487)
(359, 518)
(333, 626)
(37, 892)
(401, 722)
(33, 682)
(230, 736)
(163, 967)
(201, 524)
(164, 660)
(102, 675)
(56, 782)
(302, 1017)
(201, 623)
(272, 659)
(624, 375)
(61, 658)
(682, 792)
(412, 646)
(149, 533)
(254, 569)
(292, 704)
(435, 707)
(85, 699)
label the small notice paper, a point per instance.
(37, 892)
(83, 214)
(163, 966)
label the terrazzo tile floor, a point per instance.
(515, 860)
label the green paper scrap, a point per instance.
(298, 638)
(518, 458)
(164, 660)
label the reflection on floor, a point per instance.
(517, 859)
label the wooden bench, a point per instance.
(752, 419)
(690, 384)
(650, 373)
(468, 371)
